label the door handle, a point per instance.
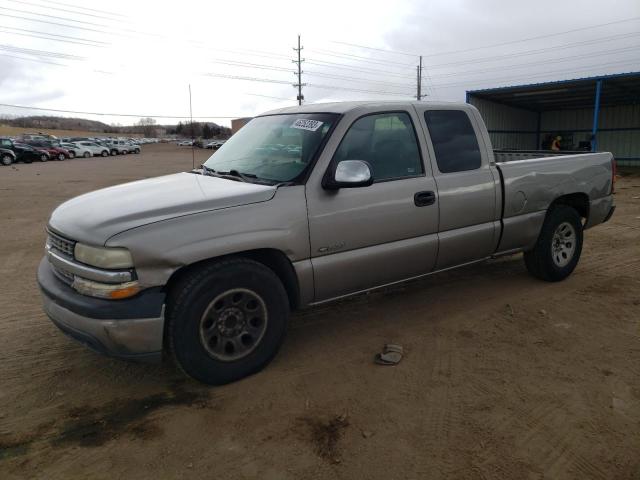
(422, 199)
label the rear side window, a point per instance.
(454, 140)
(387, 141)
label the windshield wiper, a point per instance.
(245, 177)
(207, 170)
(234, 174)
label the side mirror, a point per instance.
(348, 174)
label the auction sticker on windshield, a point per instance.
(304, 124)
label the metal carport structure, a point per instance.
(595, 113)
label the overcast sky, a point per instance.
(124, 57)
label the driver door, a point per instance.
(370, 236)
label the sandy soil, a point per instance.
(505, 377)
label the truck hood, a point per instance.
(97, 216)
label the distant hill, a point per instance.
(58, 123)
(146, 126)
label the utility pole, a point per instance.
(419, 83)
(299, 61)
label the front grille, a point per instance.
(61, 244)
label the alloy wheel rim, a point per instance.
(563, 244)
(233, 324)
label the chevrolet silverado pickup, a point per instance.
(302, 206)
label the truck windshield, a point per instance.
(276, 148)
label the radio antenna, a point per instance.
(193, 152)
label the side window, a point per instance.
(6, 143)
(387, 141)
(454, 140)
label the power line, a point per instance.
(357, 58)
(313, 73)
(538, 37)
(30, 51)
(541, 50)
(70, 11)
(502, 79)
(66, 19)
(115, 114)
(450, 52)
(31, 35)
(250, 79)
(633, 48)
(54, 23)
(55, 17)
(79, 39)
(34, 60)
(345, 66)
(270, 96)
(87, 8)
(377, 92)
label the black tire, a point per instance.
(6, 159)
(136, 151)
(124, 152)
(72, 154)
(44, 158)
(87, 155)
(104, 153)
(114, 152)
(540, 261)
(194, 294)
(61, 156)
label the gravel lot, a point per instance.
(504, 377)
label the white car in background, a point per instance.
(94, 148)
(123, 147)
(76, 150)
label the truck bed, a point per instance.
(531, 184)
(510, 155)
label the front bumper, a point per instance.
(131, 328)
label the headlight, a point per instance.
(110, 258)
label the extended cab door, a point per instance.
(468, 185)
(370, 236)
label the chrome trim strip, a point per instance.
(104, 276)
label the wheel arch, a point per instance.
(274, 259)
(578, 201)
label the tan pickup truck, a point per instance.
(302, 206)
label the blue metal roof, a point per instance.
(559, 82)
(617, 89)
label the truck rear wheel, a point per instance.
(6, 159)
(559, 245)
(226, 320)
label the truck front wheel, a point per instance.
(559, 245)
(226, 320)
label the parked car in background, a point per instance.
(94, 148)
(7, 157)
(36, 136)
(76, 150)
(49, 146)
(135, 148)
(24, 153)
(185, 143)
(123, 147)
(27, 154)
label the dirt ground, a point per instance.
(504, 377)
